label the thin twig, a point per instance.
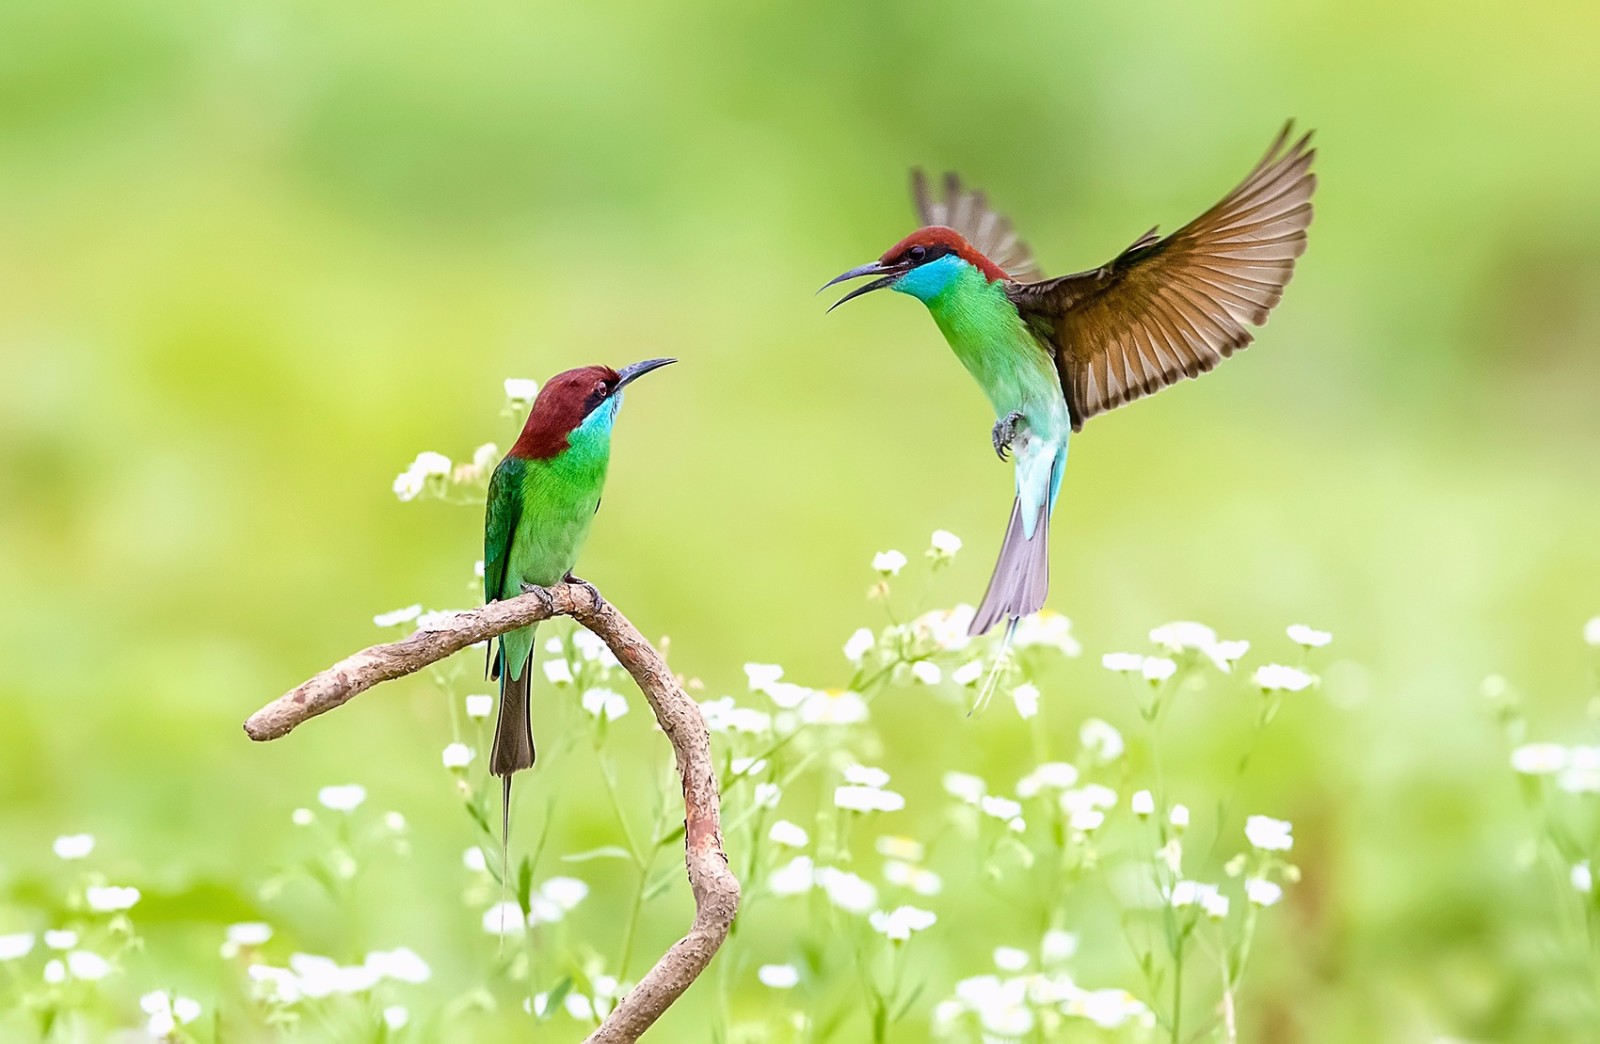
(716, 890)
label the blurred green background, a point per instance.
(254, 257)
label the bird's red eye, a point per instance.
(917, 254)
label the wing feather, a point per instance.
(1166, 309)
(968, 212)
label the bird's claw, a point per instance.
(581, 582)
(1005, 430)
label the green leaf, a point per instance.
(662, 882)
(524, 885)
(904, 1007)
(603, 852)
(553, 999)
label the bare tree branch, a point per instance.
(716, 890)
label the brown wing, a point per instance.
(1166, 309)
(968, 212)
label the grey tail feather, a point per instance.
(1021, 574)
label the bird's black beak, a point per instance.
(630, 373)
(887, 274)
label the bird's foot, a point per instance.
(581, 582)
(1005, 430)
(542, 592)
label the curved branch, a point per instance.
(716, 890)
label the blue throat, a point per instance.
(926, 282)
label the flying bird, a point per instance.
(542, 498)
(1051, 353)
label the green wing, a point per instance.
(500, 524)
(501, 515)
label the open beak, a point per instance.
(887, 274)
(628, 374)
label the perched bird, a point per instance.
(542, 497)
(1051, 353)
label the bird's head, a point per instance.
(923, 264)
(576, 401)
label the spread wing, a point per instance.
(968, 212)
(1166, 309)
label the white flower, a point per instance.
(1144, 804)
(1026, 697)
(73, 846)
(430, 463)
(927, 672)
(944, 544)
(1191, 893)
(407, 485)
(593, 648)
(1010, 959)
(15, 946)
(395, 1016)
(788, 695)
(790, 835)
(1179, 817)
(1215, 905)
(395, 822)
(899, 923)
(168, 1012)
(847, 891)
(396, 617)
(483, 458)
(457, 755)
(1582, 879)
(865, 776)
(1001, 1006)
(564, 892)
(480, 706)
(946, 628)
(778, 976)
(1591, 631)
(762, 675)
(967, 787)
(891, 846)
(1157, 669)
(579, 1007)
(1539, 759)
(1275, 677)
(603, 703)
(521, 389)
(968, 673)
(245, 933)
(888, 563)
(833, 707)
(1058, 946)
(723, 715)
(767, 795)
(1057, 775)
(438, 619)
(1123, 662)
(110, 899)
(55, 972)
(860, 643)
(1109, 1009)
(1300, 634)
(89, 967)
(792, 878)
(345, 798)
(558, 672)
(401, 965)
(1223, 655)
(1183, 634)
(1268, 834)
(1171, 854)
(1582, 774)
(474, 860)
(1100, 740)
(747, 766)
(1002, 808)
(322, 976)
(1046, 628)
(905, 875)
(302, 817)
(867, 799)
(503, 919)
(1261, 891)
(1086, 820)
